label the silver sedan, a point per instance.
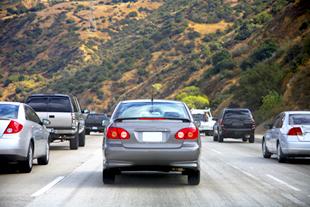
(152, 135)
(288, 136)
(23, 136)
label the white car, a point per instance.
(205, 119)
(23, 137)
(288, 136)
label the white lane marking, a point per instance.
(282, 182)
(47, 187)
(218, 152)
(243, 171)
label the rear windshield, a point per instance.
(151, 110)
(199, 117)
(96, 117)
(50, 104)
(8, 111)
(299, 119)
(237, 114)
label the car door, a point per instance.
(37, 131)
(270, 135)
(276, 131)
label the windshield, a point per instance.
(8, 111)
(299, 119)
(151, 110)
(199, 117)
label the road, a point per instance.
(233, 174)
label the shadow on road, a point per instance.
(8, 168)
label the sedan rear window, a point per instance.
(151, 110)
(9, 111)
(299, 119)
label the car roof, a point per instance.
(297, 112)
(149, 100)
(49, 94)
(236, 109)
(12, 103)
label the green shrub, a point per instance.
(192, 96)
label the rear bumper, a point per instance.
(126, 158)
(296, 149)
(236, 133)
(11, 148)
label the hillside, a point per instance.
(239, 53)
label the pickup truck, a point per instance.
(65, 116)
(205, 119)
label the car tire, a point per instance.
(82, 139)
(193, 177)
(45, 159)
(215, 138)
(26, 165)
(220, 138)
(244, 139)
(74, 143)
(266, 153)
(252, 138)
(280, 156)
(108, 176)
(87, 132)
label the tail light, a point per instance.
(73, 124)
(13, 127)
(253, 124)
(222, 123)
(187, 133)
(117, 133)
(295, 131)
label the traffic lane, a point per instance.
(16, 188)
(222, 184)
(291, 179)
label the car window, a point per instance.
(151, 110)
(9, 111)
(199, 117)
(39, 104)
(237, 114)
(59, 104)
(299, 119)
(96, 117)
(31, 115)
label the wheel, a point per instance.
(281, 157)
(244, 139)
(87, 132)
(215, 138)
(220, 138)
(74, 143)
(108, 177)
(194, 178)
(207, 133)
(82, 139)
(252, 138)
(45, 159)
(26, 166)
(266, 153)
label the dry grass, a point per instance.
(209, 28)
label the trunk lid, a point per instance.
(57, 119)
(152, 134)
(3, 125)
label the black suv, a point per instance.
(95, 123)
(235, 123)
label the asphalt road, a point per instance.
(233, 174)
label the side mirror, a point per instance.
(105, 123)
(197, 123)
(268, 126)
(46, 122)
(85, 111)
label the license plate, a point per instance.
(152, 137)
(236, 124)
(94, 127)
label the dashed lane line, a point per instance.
(283, 182)
(218, 152)
(48, 186)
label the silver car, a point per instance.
(23, 137)
(288, 136)
(151, 135)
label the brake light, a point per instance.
(13, 127)
(222, 123)
(295, 131)
(117, 133)
(152, 118)
(187, 133)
